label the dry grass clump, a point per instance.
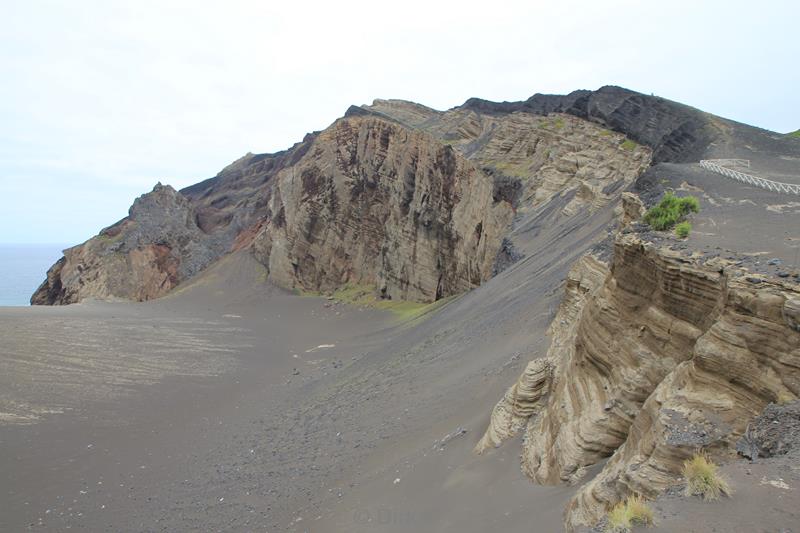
(632, 512)
(703, 478)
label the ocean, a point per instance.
(23, 267)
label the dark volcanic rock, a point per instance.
(506, 256)
(677, 133)
(776, 431)
(140, 257)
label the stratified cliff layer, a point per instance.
(372, 203)
(664, 357)
(413, 203)
(141, 257)
(676, 132)
(533, 156)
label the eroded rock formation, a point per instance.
(412, 202)
(372, 203)
(141, 257)
(535, 157)
(664, 357)
(527, 396)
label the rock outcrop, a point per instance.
(631, 209)
(534, 157)
(579, 151)
(664, 357)
(776, 431)
(527, 396)
(141, 257)
(372, 203)
(408, 201)
(677, 133)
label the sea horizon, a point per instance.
(23, 267)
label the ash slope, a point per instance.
(256, 446)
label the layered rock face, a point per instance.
(365, 202)
(372, 203)
(528, 395)
(140, 258)
(748, 357)
(535, 157)
(412, 202)
(676, 132)
(664, 357)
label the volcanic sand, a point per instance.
(231, 405)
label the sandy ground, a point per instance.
(233, 406)
(766, 500)
(228, 408)
(736, 221)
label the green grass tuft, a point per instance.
(683, 229)
(629, 145)
(671, 210)
(703, 478)
(632, 512)
(794, 134)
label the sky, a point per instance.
(101, 99)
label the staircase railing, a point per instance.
(722, 166)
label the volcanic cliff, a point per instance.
(411, 202)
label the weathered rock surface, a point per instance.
(534, 157)
(676, 132)
(665, 357)
(776, 431)
(372, 203)
(140, 258)
(631, 209)
(365, 202)
(412, 202)
(749, 356)
(526, 397)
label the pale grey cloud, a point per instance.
(102, 99)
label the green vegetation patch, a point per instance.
(794, 134)
(628, 145)
(683, 229)
(671, 210)
(625, 515)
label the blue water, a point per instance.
(23, 267)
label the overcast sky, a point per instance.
(100, 99)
